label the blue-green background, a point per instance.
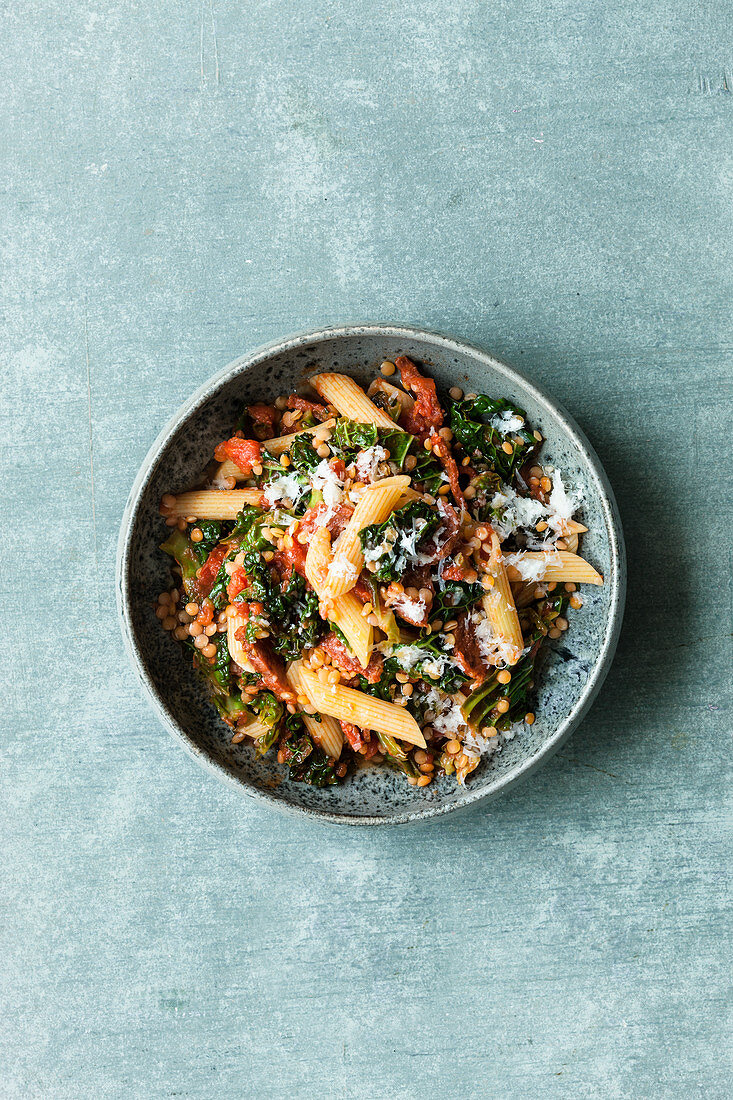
(181, 182)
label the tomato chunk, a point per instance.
(246, 453)
(206, 575)
(426, 414)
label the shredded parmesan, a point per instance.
(495, 650)
(327, 482)
(284, 487)
(412, 610)
(506, 422)
(532, 569)
(368, 461)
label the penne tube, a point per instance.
(376, 503)
(363, 710)
(349, 398)
(393, 393)
(276, 446)
(574, 527)
(237, 652)
(569, 567)
(346, 610)
(254, 728)
(524, 593)
(327, 733)
(498, 603)
(215, 503)
(386, 621)
(282, 443)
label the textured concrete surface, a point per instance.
(182, 182)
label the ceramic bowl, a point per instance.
(570, 674)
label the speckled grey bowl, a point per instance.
(570, 674)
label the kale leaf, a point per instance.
(230, 707)
(303, 454)
(179, 546)
(452, 597)
(308, 763)
(485, 487)
(396, 542)
(247, 536)
(427, 470)
(478, 710)
(470, 421)
(271, 713)
(295, 624)
(449, 679)
(348, 437)
(213, 532)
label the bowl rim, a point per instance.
(449, 344)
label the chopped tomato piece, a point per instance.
(269, 665)
(206, 575)
(454, 573)
(237, 583)
(289, 559)
(320, 412)
(340, 516)
(426, 414)
(348, 663)
(246, 453)
(263, 416)
(339, 468)
(466, 650)
(357, 738)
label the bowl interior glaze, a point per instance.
(570, 673)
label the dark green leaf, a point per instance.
(452, 597)
(349, 437)
(399, 538)
(470, 422)
(308, 762)
(179, 546)
(428, 471)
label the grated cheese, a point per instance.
(495, 649)
(367, 462)
(506, 423)
(284, 486)
(404, 605)
(327, 482)
(532, 569)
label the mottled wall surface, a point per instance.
(182, 182)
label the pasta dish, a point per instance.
(367, 577)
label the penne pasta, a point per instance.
(254, 728)
(346, 610)
(349, 398)
(393, 393)
(569, 567)
(386, 621)
(215, 503)
(362, 710)
(282, 443)
(327, 733)
(376, 503)
(498, 603)
(574, 527)
(237, 652)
